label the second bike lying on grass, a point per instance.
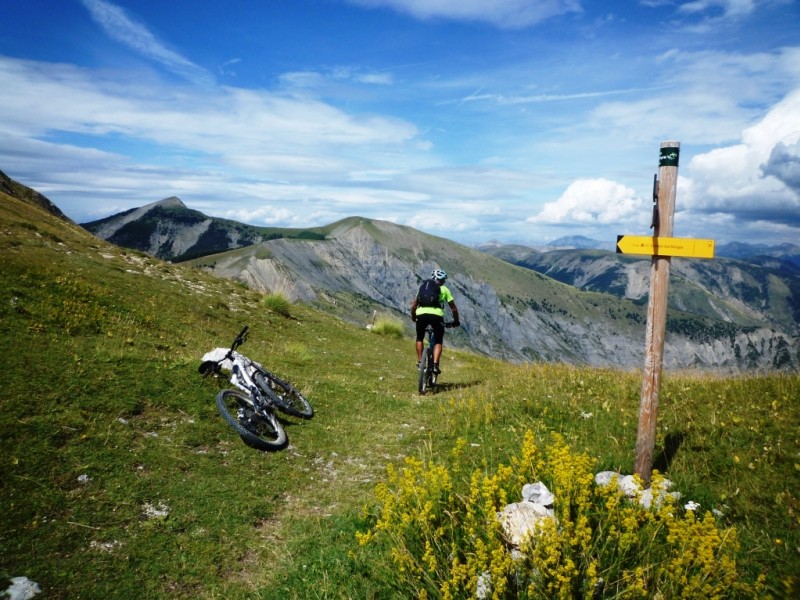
(250, 409)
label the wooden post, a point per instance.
(656, 311)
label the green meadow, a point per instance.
(121, 480)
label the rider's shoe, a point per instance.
(436, 369)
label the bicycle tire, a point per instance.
(430, 374)
(257, 431)
(287, 398)
(423, 372)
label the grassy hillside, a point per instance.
(120, 480)
(506, 311)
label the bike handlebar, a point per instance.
(238, 341)
(210, 366)
(240, 338)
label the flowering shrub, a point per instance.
(439, 526)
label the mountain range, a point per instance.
(750, 293)
(756, 253)
(516, 303)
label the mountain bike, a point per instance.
(250, 409)
(427, 375)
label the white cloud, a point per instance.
(264, 215)
(784, 164)
(592, 201)
(249, 129)
(119, 26)
(375, 78)
(730, 192)
(299, 81)
(753, 178)
(729, 8)
(703, 97)
(704, 16)
(471, 183)
(511, 14)
(541, 98)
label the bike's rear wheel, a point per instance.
(287, 398)
(425, 368)
(262, 431)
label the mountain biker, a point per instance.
(433, 315)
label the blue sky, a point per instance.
(476, 120)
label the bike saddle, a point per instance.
(207, 367)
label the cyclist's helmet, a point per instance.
(439, 275)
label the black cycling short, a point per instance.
(438, 327)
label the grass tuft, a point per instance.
(277, 303)
(389, 327)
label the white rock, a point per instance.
(522, 520)
(626, 483)
(632, 489)
(538, 494)
(629, 486)
(647, 501)
(22, 588)
(603, 478)
(157, 511)
(484, 586)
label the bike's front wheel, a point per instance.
(262, 431)
(287, 398)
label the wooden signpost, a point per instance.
(662, 246)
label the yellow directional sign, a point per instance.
(665, 246)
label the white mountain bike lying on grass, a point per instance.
(250, 409)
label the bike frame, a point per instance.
(241, 378)
(242, 370)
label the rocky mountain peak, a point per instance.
(171, 202)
